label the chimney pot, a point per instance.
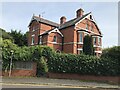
(62, 20)
(79, 12)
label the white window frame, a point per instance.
(80, 49)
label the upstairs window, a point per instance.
(81, 37)
(55, 39)
(87, 25)
(35, 27)
(94, 40)
(99, 41)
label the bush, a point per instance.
(70, 63)
(42, 67)
(32, 53)
(111, 56)
(82, 64)
(88, 45)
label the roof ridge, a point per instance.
(46, 19)
(73, 21)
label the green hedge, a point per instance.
(83, 64)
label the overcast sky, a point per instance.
(17, 15)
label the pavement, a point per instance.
(65, 83)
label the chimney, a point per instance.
(79, 12)
(62, 20)
(39, 15)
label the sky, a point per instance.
(17, 15)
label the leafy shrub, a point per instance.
(42, 67)
(111, 56)
(83, 64)
(88, 45)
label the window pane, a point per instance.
(81, 37)
(32, 40)
(40, 42)
(94, 40)
(55, 39)
(99, 41)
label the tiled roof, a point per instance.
(44, 21)
(72, 22)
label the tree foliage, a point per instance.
(19, 38)
(5, 35)
(88, 45)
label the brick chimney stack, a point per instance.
(79, 12)
(62, 20)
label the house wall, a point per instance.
(58, 44)
(82, 24)
(40, 28)
(45, 27)
(95, 31)
(35, 33)
(71, 36)
(44, 39)
(68, 34)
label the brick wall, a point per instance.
(110, 79)
(68, 34)
(40, 28)
(58, 44)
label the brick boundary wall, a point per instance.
(109, 79)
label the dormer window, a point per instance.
(55, 39)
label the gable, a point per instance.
(81, 24)
(55, 30)
(45, 21)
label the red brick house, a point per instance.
(66, 36)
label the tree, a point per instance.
(19, 38)
(5, 35)
(88, 45)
